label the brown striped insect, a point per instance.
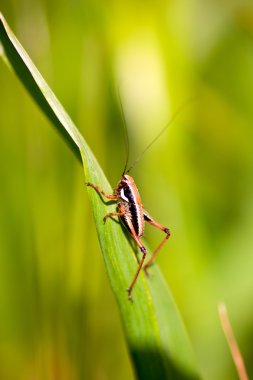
(131, 211)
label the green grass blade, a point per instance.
(155, 334)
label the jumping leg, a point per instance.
(144, 252)
(151, 221)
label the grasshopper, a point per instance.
(130, 209)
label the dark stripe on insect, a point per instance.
(128, 194)
(147, 218)
(134, 216)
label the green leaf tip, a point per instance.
(157, 340)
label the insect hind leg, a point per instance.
(129, 290)
(151, 221)
(144, 252)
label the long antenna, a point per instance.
(125, 134)
(174, 116)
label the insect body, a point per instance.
(134, 216)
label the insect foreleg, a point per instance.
(108, 196)
(151, 221)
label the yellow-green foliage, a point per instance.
(58, 318)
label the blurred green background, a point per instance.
(58, 318)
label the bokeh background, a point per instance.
(58, 318)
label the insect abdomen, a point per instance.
(134, 216)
